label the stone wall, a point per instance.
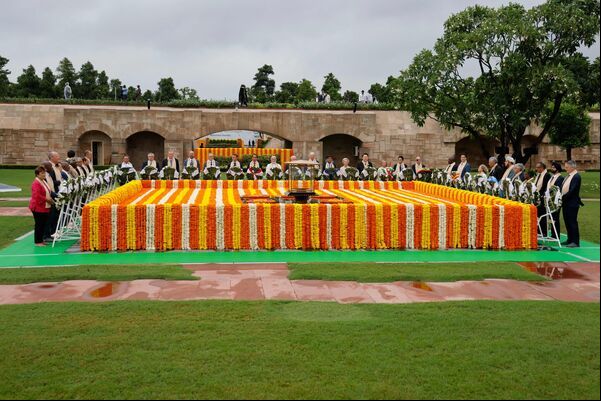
(27, 132)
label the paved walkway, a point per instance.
(574, 282)
(14, 211)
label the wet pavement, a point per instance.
(571, 282)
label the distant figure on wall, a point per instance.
(124, 92)
(138, 92)
(242, 96)
(67, 91)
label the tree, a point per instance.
(594, 86)
(167, 91)
(4, 73)
(115, 88)
(383, 93)
(571, 128)
(48, 84)
(147, 95)
(331, 86)
(28, 83)
(264, 86)
(66, 74)
(350, 96)
(189, 93)
(520, 57)
(287, 92)
(87, 81)
(103, 89)
(306, 91)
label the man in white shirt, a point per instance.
(126, 163)
(273, 165)
(235, 162)
(364, 163)
(191, 163)
(450, 167)
(463, 167)
(509, 171)
(150, 162)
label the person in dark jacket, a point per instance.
(364, 163)
(556, 180)
(242, 96)
(571, 202)
(494, 168)
(541, 181)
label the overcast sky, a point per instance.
(214, 46)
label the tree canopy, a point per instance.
(571, 128)
(494, 71)
(332, 87)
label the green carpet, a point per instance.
(24, 253)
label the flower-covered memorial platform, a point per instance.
(252, 215)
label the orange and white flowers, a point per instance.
(165, 215)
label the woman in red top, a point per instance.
(40, 204)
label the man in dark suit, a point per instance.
(150, 161)
(556, 180)
(495, 170)
(541, 181)
(364, 163)
(571, 202)
(463, 167)
(171, 161)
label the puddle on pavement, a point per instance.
(421, 286)
(46, 286)
(106, 290)
(554, 273)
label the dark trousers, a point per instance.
(543, 222)
(40, 226)
(570, 218)
(557, 222)
(51, 222)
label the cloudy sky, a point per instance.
(214, 46)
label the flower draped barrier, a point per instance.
(213, 214)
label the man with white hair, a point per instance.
(509, 172)
(56, 173)
(171, 161)
(312, 157)
(273, 165)
(571, 202)
(519, 172)
(494, 168)
(150, 162)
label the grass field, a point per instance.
(13, 227)
(590, 185)
(387, 272)
(17, 178)
(225, 349)
(93, 272)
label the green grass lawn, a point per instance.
(388, 272)
(17, 178)
(588, 221)
(13, 227)
(13, 203)
(95, 272)
(225, 349)
(590, 184)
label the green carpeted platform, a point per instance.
(24, 253)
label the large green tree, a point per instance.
(264, 86)
(287, 92)
(350, 96)
(571, 128)
(4, 73)
(494, 71)
(115, 88)
(306, 91)
(189, 93)
(167, 90)
(48, 84)
(332, 87)
(28, 83)
(103, 89)
(65, 73)
(383, 93)
(88, 81)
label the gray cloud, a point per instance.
(215, 46)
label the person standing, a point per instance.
(496, 171)
(541, 181)
(243, 96)
(138, 93)
(40, 204)
(124, 92)
(556, 180)
(451, 166)
(67, 91)
(463, 167)
(364, 163)
(509, 171)
(571, 203)
(171, 161)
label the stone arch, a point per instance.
(99, 143)
(139, 144)
(477, 150)
(340, 146)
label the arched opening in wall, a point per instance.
(242, 139)
(477, 150)
(340, 146)
(100, 145)
(142, 143)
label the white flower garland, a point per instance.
(471, 234)
(114, 226)
(283, 225)
(501, 226)
(252, 218)
(410, 229)
(150, 213)
(442, 226)
(186, 226)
